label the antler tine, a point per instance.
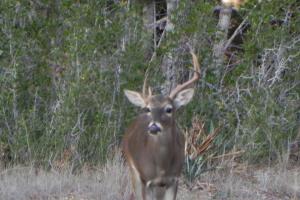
(191, 81)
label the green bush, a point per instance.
(64, 65)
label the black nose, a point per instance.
(154, 129)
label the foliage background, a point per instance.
(64, 65)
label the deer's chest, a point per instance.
(160, 156)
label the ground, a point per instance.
(111, 182)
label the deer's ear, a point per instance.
(183, 97)
(135, 98)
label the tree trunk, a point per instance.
(149, 29)
(221, 39)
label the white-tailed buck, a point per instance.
(153, 144)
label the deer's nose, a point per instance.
(154, 128)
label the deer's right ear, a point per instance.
(135, 98)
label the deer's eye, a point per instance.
(169, 110)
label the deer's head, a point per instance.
(161, 108)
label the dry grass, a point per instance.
(240, 181)
(108, 182)
(112, 182)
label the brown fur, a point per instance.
(157, 158)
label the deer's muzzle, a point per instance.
(154, 128)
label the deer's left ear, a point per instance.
(183, 97)
(135, 98)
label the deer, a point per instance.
(153, 145)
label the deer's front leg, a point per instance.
(171, 191)
(136, 183)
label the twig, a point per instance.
(159, 43)
(235, 33)
(158, 22)
(227, 155)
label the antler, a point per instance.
(189, 82)
(145, 87)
